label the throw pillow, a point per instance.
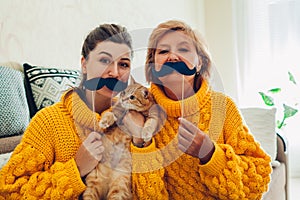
(44, 86)
(261, 123)
(14, 111)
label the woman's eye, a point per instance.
(105, 61)
(124, 65)
(163, 51)
(183, 50)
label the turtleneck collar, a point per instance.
(191, 104)
(82, 114)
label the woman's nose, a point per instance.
(113, 70)
(173, 57)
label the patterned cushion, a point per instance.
(14, 111)
(44, 86)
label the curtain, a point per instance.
(267, 43)
(267, 47)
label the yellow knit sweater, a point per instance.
(43, 166)
(238, 169)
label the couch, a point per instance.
(35, 87)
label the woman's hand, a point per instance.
(134, 122)
(89, 153)
(194, 142)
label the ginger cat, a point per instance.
(111, 179)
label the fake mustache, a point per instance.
(169, 67)
(111, 83)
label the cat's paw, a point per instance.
(107, 120)
(149, 129)
(147, 133)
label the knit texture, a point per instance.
(42, 166)
(238, 169)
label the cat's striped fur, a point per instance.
(111, 179)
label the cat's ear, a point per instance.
(131, 80)
(146, 94)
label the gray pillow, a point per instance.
(14, 110)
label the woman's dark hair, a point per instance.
(109, 32)
(104, 32)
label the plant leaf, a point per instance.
(289, 111)
(291, 78)
(274, 90)
(280, 124)
(268, 100)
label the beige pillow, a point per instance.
(261, 123)
(13, 65)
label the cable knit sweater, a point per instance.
(43, 167)
(238, 169)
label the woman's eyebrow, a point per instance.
(184, 43)
(166, 45)
(125, 59)
(106, 53)
(162, 45)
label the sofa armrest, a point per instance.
(282, 156)
(282, 150)
(8, 144)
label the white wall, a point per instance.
(51, 33)
(220, 36)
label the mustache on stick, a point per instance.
(169, 67)
(111, 83)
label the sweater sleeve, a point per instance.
(25, 176)
(33, 171)
(147, 173)
(239, 168)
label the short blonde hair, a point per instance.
(175, 25)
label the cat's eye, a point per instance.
(132, 97)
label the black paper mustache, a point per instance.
(169, 67)
(111, 83)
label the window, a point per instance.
(268, 47)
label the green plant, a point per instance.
(288, 111)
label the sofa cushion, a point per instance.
(14, 111)
(44, 86)
(261, 122)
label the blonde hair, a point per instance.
(175, 25)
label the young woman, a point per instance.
(204, 151)
(51, 159)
